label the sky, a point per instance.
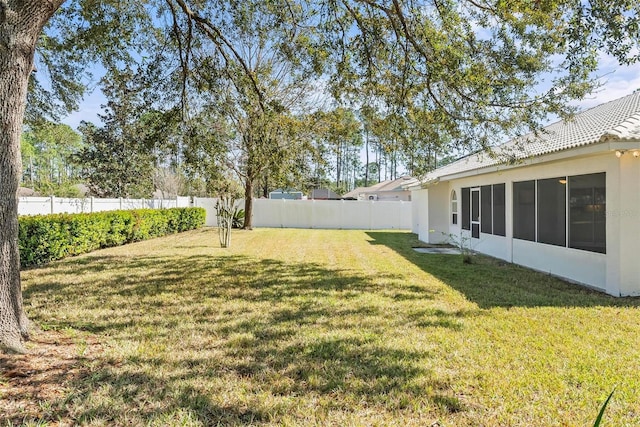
(617, 80)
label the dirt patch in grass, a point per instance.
(30, 382)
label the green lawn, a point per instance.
(344, 328)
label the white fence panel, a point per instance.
(336, 214)
(54, 205)
(392, 215)
(34, 205)
(355, 215)
(101, 205)
(331, 214)
(62, 205)
(210, 206)
(266, 213)
(327, 213)
(183, 201)
(295, 213)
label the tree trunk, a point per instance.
(20, 25)
(265, 189)
(248, 205)
(338, 166)
(366, 165)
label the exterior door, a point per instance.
(475, 213)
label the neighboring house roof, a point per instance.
(27, 192)
(398, 184)
(280, 190)
(615, 120)
(324, 193)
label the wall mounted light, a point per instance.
(619, 153)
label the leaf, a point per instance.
(604, 406)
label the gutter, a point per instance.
(423, 185)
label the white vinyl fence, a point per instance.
(282, 213)
(50, 205)
(334, 214)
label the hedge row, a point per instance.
(45, 238)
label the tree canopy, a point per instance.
(472, 71)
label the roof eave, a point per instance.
(608, 144)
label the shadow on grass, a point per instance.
(489, 282)
(151, 400)
(232, 340)
(339, 373)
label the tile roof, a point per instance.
(614, 120)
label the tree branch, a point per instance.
(215, 35)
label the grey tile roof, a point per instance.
(614, 120)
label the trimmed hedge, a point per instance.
(45, 238)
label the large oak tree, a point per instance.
(20, 25)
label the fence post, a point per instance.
(91, 204)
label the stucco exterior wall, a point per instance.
(617, 272)
(437, 230)
(419, 204)
(624, 220)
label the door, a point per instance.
(475, 213)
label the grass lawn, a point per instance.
(318, 327)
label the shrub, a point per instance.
(46, 238)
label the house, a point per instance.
(324, 194)
(390, 190)
(286, 194)
(568, 203)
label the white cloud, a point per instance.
(617, 81)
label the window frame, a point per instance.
(549, 230)
(524, 211)
(584, 210)
(596, 210)
(466, 208)
(454, 207)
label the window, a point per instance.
(454, 207)
(524, 210)
(552, 211)
(499, 205)
(466, 208)
(483, 210)
(587, 205)
(486, 220)
(540, 211)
